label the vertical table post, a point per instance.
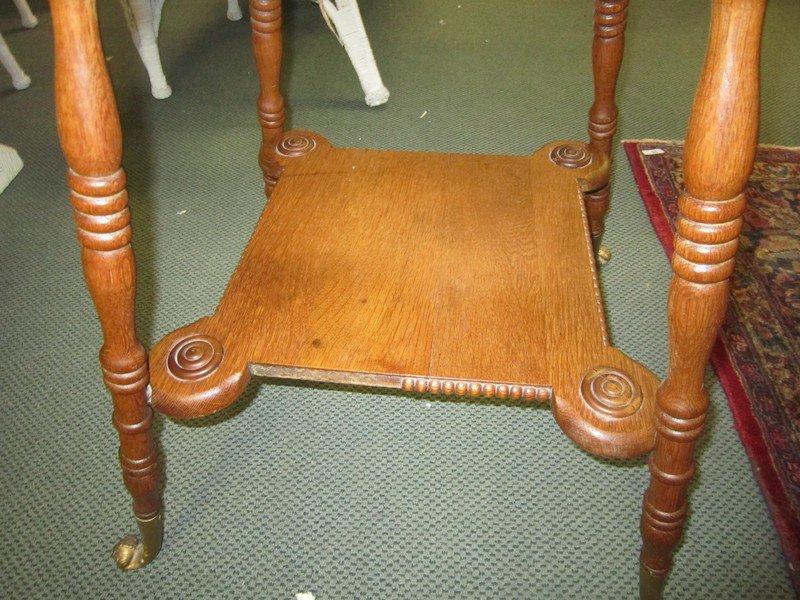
(266, 20)
(610, 19)
(720, 150)
(91, 138)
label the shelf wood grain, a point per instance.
(450, 274)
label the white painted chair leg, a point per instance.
(345, 17)
(10, 165)
(18, 77)
(156, 6)
(234, 12)
(142, 23)
(29, 20)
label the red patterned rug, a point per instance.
(757, 355)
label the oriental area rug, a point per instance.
(757, 355)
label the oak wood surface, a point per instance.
(462, 274)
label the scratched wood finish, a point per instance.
(610, 19)
(265, 21)
(91, 138)
(461, 274)
(720, 149)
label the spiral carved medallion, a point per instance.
(296, 144)
(194, 357)
(571, 156)
(611, 392)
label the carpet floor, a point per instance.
(345, 493)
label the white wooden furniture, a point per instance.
(342, 16)
(19, 79)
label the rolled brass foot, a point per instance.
(603, 254)
(131, 553)
(651, 583)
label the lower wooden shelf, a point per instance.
(442, 273)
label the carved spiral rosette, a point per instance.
(194, 357)
(571, 156)
(295, 144)
(611, 392)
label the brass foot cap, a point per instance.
(130, 554)
(603, 254)
(127, 553)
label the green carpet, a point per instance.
(345, 493)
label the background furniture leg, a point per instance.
(344, 17)
(10, 165)
(234, 11)
(143, 17)
(29, 20)
(610, 18)
(720, 149)
(19, 79)
(266, 21)
(91, 138)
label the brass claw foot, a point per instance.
(603, 254)
(130, 553)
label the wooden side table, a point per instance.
(449, 274)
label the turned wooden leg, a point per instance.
(91, 138)
(720, 149)
(265, 19)
(610, 18)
